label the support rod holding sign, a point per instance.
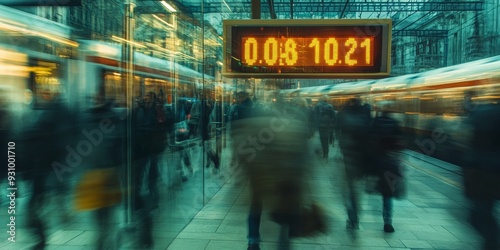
(255, 9)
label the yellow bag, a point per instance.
(98, 188)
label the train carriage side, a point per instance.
(102, 73)
(430, 106)
(445, 98)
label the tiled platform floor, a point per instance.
(433, 215)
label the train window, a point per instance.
(46, 80)
(162, 88)
(429, 104)
(114, 88)
(409, 104)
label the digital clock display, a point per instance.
(307, 48)
(312, 51)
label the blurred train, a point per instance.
(40, 60)
(93, 68)
(430, 106)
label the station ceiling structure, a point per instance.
(331, 6)
(330, 9)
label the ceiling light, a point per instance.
(168, 6)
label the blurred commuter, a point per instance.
(273, 152)
(195, 118)
(244, 107)
(325, 120)
(149, 135)
(41, 143)
(213, 122)
(99, 188)
(384, 162)
(482, 172)
(152, 140)
(353, 132)
(181, 133)
(6, 127)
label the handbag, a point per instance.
(98, 188)
(311, 222)
(181, 130)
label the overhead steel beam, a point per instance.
(270, 3)
(423, 33)
(32, 3)
(338, 7)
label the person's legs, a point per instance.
(387, 214)
(331, 138)
(284, 239)
(36, 203)
(254, 221)
(352, 205)
(483, 220)
(324, 137)
(103, 216)
(153, 180)
(352, 196)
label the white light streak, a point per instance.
(168, 7)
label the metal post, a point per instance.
(445, 63)
(255, 9)
(128, 67)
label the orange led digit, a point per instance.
(271, 51)
(315, 44)
(291, 52)
(331, 51)
(367, 45)
(250, 51)
(351, 42)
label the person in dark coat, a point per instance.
(482, 172)
(149, 141)
(272, 150)
(245, 108)
(384, 148)
(43, 142)
(325, 120)
(353, 132)
(103, 129)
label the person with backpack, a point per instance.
(325, 120)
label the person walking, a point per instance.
(325, 120)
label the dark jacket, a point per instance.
(482, 168)
(324, 115)
(103, 128)
(383, 158)
(244, 110)
(150, 133)
(354, 127)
